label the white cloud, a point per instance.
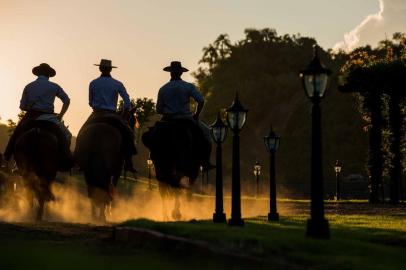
(390, 18)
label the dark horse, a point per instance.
(99, 153)
(36, 153)
(174, 151)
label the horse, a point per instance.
(99, 153)
(173, 146)
(36, 153)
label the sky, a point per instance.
(143, 36)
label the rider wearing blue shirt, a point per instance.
(37, 102)
(174, 103)
(104, 91)
(103, 97)
(174, 97)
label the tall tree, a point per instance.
(263, 67)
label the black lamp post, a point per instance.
(272, 145)
(219, 132)
(149, 165)
(337, 168)
(257, 173)
(236, 116)
(314, 80)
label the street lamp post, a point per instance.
(219, 132)
(272, 145)
(257, 173)
(337, 168)
(149, 165)
(236, 116)
(314, 80)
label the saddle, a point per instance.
(50, 127)
(116, 121)
(64, 155)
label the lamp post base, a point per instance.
(236, 222)
(273, 216)
(318, 229)
(219, 218)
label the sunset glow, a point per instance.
(141, 37)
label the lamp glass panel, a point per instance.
(219, 134)
(271, 143)
(242, 116)
(216, 134)
(308, 84)
(321, 83)
(277, 144)
(223, 134)
(232, 118)
(317, 87)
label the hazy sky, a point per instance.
(142, 36)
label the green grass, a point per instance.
(357, 242)
(49, 252)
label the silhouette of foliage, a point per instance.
(143, 109)
(378, 76)
(263, 67)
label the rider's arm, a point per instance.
(124, 95)
(65, 100)
(91, 94)
(199, 109)
(24, 101)
(198, 97)
(160, 103)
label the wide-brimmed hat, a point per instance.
(175, 66)
(44, 69)
(105, 63)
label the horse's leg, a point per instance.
(189, 191)
(40, 210)
(163, 191)
(109, 208)
(176, 214)
(102, 216)
(94, 211)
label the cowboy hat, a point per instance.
(175, 66)
(105, 63)
(44, 69)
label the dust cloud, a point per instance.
(133, 200)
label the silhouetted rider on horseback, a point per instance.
(103, 97)
(174, 104)
(38, 102)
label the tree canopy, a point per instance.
(264, 69)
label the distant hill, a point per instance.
(264, 69)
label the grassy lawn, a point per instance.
(358, 241)
(71, 246)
